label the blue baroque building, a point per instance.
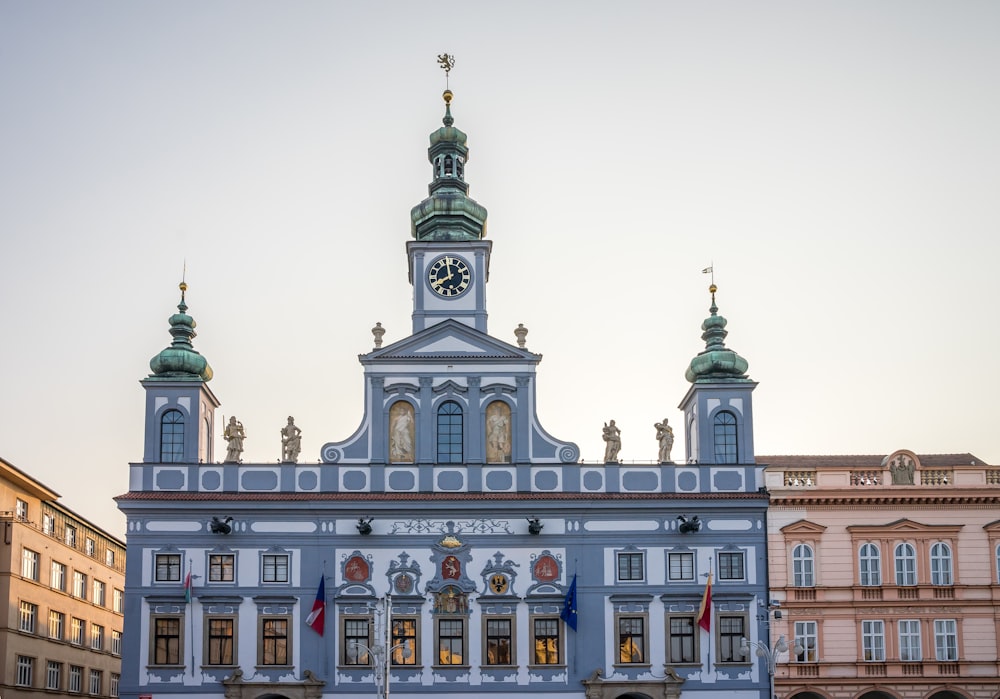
(450, 544)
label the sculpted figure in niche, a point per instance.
(902, 469)
(498, 433)
(291, 442)
(234, 436)
(613, 442)
(401, 429)
(665, 436)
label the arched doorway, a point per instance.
(947, 694)
(806, 695)
(877, 694)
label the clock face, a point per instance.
(449, 276)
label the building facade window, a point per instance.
(941, 564)
(96, 679)
(69, 536)
(96, 637)
(116, 642)
(731, 565)
(870, 565)
(79, 585)
(57, 625)
(498, 649)
(28, 617)
(75, 679)
(808, 637)
(357, 640)
(100, 593)
(631, 567)
(274, 568)
(168, 567)
(906, 565)
(222, 567)
(632, 640)
(220, 649)
(732, 629)
(682, 639)
(449, 433)
(90, 546)
(803, 565)
(450, 641)
(21, 510)
(58, 576)
(275, 643)
(546, 641)
(404, 640)
(724, 429)
(945, 640)
(680, 566)
(873, 640)
(53, 675)
(25, 671)
(166, 641)
(909, 641)
(48, 524)
(77, 629)
(29, 564)
(172, 437)
(115, 680)
(118, 600)
(109, 558)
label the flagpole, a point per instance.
(190, 605)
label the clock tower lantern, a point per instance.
(449, 259)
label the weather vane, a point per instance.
(447, 62)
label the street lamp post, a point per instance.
(770, 655)
(381, 652)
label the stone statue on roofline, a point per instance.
(291, 442)
(612, 442)
(234, 436)
(665, 436)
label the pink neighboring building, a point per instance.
(885, 571)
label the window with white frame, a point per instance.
(75, 679)
(118, 600)
(680, 566)
(168, 567)
(116, 642)
(57, 625)
(803, 563)
(100, 593)
(53, 675)
(48, 524)
(274, 568)
(29, 564)
(96, 637)
(25, 671)
(113, 685)
(906, 564)
(870, 565)
(945, 639)
(96, 676)
(873, 640)
(77, 629)
(630, 566)
(28, 617)
(79, 584)
(909, 641)
(731, 565)
(807, 637)
(90, 546)
(69, 536)
(109, 557)
(941, 568)
(58, 577)
(21, 510)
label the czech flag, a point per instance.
(317, 616)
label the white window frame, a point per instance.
(53, 675)
(90, 546)
(25, 671)
(116, 642)
(945, 640)
(57, 576)
(115, 681)
(803, 566)
(873, 640)
(910, 650)
(48, 524)
(75, 679)
(807, 636)
(905, 562)
(27, 617)
(29, 564)
(870, 565)
(942, 568)
(69, 536)
(96, 637)
(118, 600)
(57, 625)
(77, 631)
(21, 510)
(100, 593)
(96, 680)
(79, 584)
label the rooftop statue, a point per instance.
(291, 442)
(613, 442)
(234, 435)
(665, 436)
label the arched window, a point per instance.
(725, 437)
(906, 565)
(449, 433)
(941, 564)
(802, 566)
(870, 565)
(172, 436)
(448, 162)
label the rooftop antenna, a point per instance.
(447, 62)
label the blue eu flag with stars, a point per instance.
(569, 605)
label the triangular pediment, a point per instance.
(449, 339)
(803, 526)
(904, 526)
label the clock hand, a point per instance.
(442, 280)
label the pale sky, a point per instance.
(838, 162)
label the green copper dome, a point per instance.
(181, 361)
(716, 362)
(448, 214)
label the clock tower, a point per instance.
(449, 259)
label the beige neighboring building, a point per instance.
(886, 569)
(63, 580)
